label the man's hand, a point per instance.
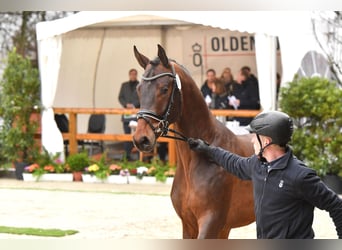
(198, 145)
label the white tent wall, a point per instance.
(266, 61)
(85, 80)
(49, 58)
(78, 65)
(83, 83)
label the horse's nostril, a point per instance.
(145, 142)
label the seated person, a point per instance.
(228, 79)
(245, 95)
(219, 96)
(206, 88)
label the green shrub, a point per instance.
(20, 98)
(78, 162)
(315, 104)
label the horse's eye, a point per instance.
(164, 90)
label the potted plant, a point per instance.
(98, 170)
(315, 104)
(20, 99)
(77, 163)
(161, 171)
(148, 172)
(48, 167)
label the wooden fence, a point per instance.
(73, 136)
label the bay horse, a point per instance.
(208, 200)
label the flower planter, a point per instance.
(67, 177)
(153, 180)
(147, 180)
(119, 179)
(169, 180)
(28, 177)
(88, 178)
(115, 179)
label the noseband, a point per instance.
(163, 124)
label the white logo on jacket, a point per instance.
(281, 183)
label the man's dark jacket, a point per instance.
(128, 94)
(206, 90)
(285, 194)
(248, 94)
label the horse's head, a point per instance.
(160, 99)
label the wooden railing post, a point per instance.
(72, 133)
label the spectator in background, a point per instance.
(228, 79)
(219, 96)
(251, 76)
(129, 99)
(245, 96)
(207, 86)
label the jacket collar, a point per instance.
(281, 162)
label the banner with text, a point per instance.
(207, 48)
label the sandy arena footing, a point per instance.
(107, 211)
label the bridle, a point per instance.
(162, 127)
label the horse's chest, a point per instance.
(201, 186)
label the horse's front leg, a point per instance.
(190, 230)
(213, 227)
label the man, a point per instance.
(251, 76)
(245, 95)
(129, 99)
(207, 86)
(285, 190)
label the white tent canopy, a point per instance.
(293, 29)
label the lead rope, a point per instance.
(181, 136)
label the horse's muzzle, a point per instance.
(143, 143)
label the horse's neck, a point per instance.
(196, 119)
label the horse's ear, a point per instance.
(142, 60)
(163, 57)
